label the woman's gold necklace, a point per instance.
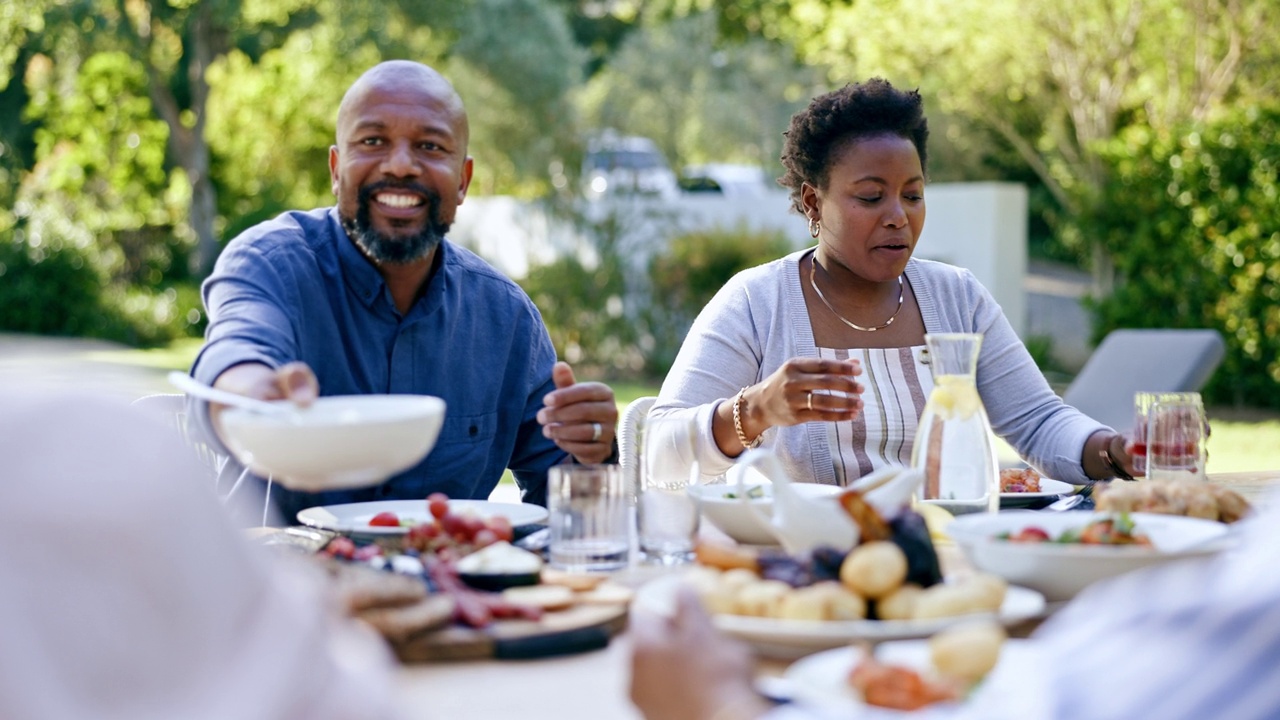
(813, 282)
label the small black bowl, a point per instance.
(497, 582)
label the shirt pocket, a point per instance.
(458, 429)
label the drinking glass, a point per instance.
(1143, 405)
(1175, 439)
(666, 515)
(589, 519)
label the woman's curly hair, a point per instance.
(853, 112)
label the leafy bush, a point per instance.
(1192, 220)
(50, 288)
(605, 313)
(694, 267)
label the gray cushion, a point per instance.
(1131, 361)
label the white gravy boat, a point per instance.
(802, 521)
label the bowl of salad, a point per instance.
(740, 511)
(1060, 554)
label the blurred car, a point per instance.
(622, 165)
(726, 179)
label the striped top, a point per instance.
(897, 384)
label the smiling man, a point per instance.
(370, 297)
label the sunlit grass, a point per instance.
(178, 355)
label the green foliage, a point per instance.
(685, 277)
(583, 300)
(1192, 219)
(607, 311)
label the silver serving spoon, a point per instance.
(191, 386)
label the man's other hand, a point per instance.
(579, 417)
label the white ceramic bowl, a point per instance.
(1061, 570)
(734, 518)
(342, 441)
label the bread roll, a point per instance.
(967, 652)
(874, 569)
(762, 598)
(899, 604)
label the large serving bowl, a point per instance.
(339, 442)
(746, 520)
(1059, 570)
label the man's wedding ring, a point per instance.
(595, 431)
(809, 402)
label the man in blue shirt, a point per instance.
(369, 297)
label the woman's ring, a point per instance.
(596, 430)
(809, 402)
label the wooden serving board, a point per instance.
(580, 628)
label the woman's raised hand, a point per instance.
(805, 390)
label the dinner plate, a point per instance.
(353, 518)
(822, 680)
(1049, 488)
(781, 638)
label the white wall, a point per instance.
(980, 226)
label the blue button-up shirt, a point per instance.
(297, 288)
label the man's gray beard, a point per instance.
(398, 250)
(395, 250)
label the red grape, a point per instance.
(438, 504)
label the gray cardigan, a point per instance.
(759, 320)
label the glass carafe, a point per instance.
(954, 447)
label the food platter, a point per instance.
(821, 680)
(1049, 488)
(784, 638)
(353, 518)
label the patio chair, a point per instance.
(1131, 361)
(172, 409)
(629, 441)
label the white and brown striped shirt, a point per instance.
(897, 384)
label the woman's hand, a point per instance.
(801, 390)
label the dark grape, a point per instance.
(792, 571)
(825, 563)
(912, 535)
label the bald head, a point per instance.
(413, 81)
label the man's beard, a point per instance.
(395, 249)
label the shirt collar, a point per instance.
(366, 282)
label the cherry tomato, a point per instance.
(438, 504)
(1030, 535)
(385, 519)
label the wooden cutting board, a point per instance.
(580, 628)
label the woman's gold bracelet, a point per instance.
(737, 423)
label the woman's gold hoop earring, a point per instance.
(815, 227)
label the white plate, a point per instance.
(822, 679)
(1048, 488)
(355, 517)
(776, 637)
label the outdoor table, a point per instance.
(595, 684)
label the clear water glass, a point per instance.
(589, 518)
(666, 514)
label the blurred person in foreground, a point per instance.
(1184, 641)
(128, 593)
(820, 355)
(369, 296)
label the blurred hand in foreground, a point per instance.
(682, 668)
